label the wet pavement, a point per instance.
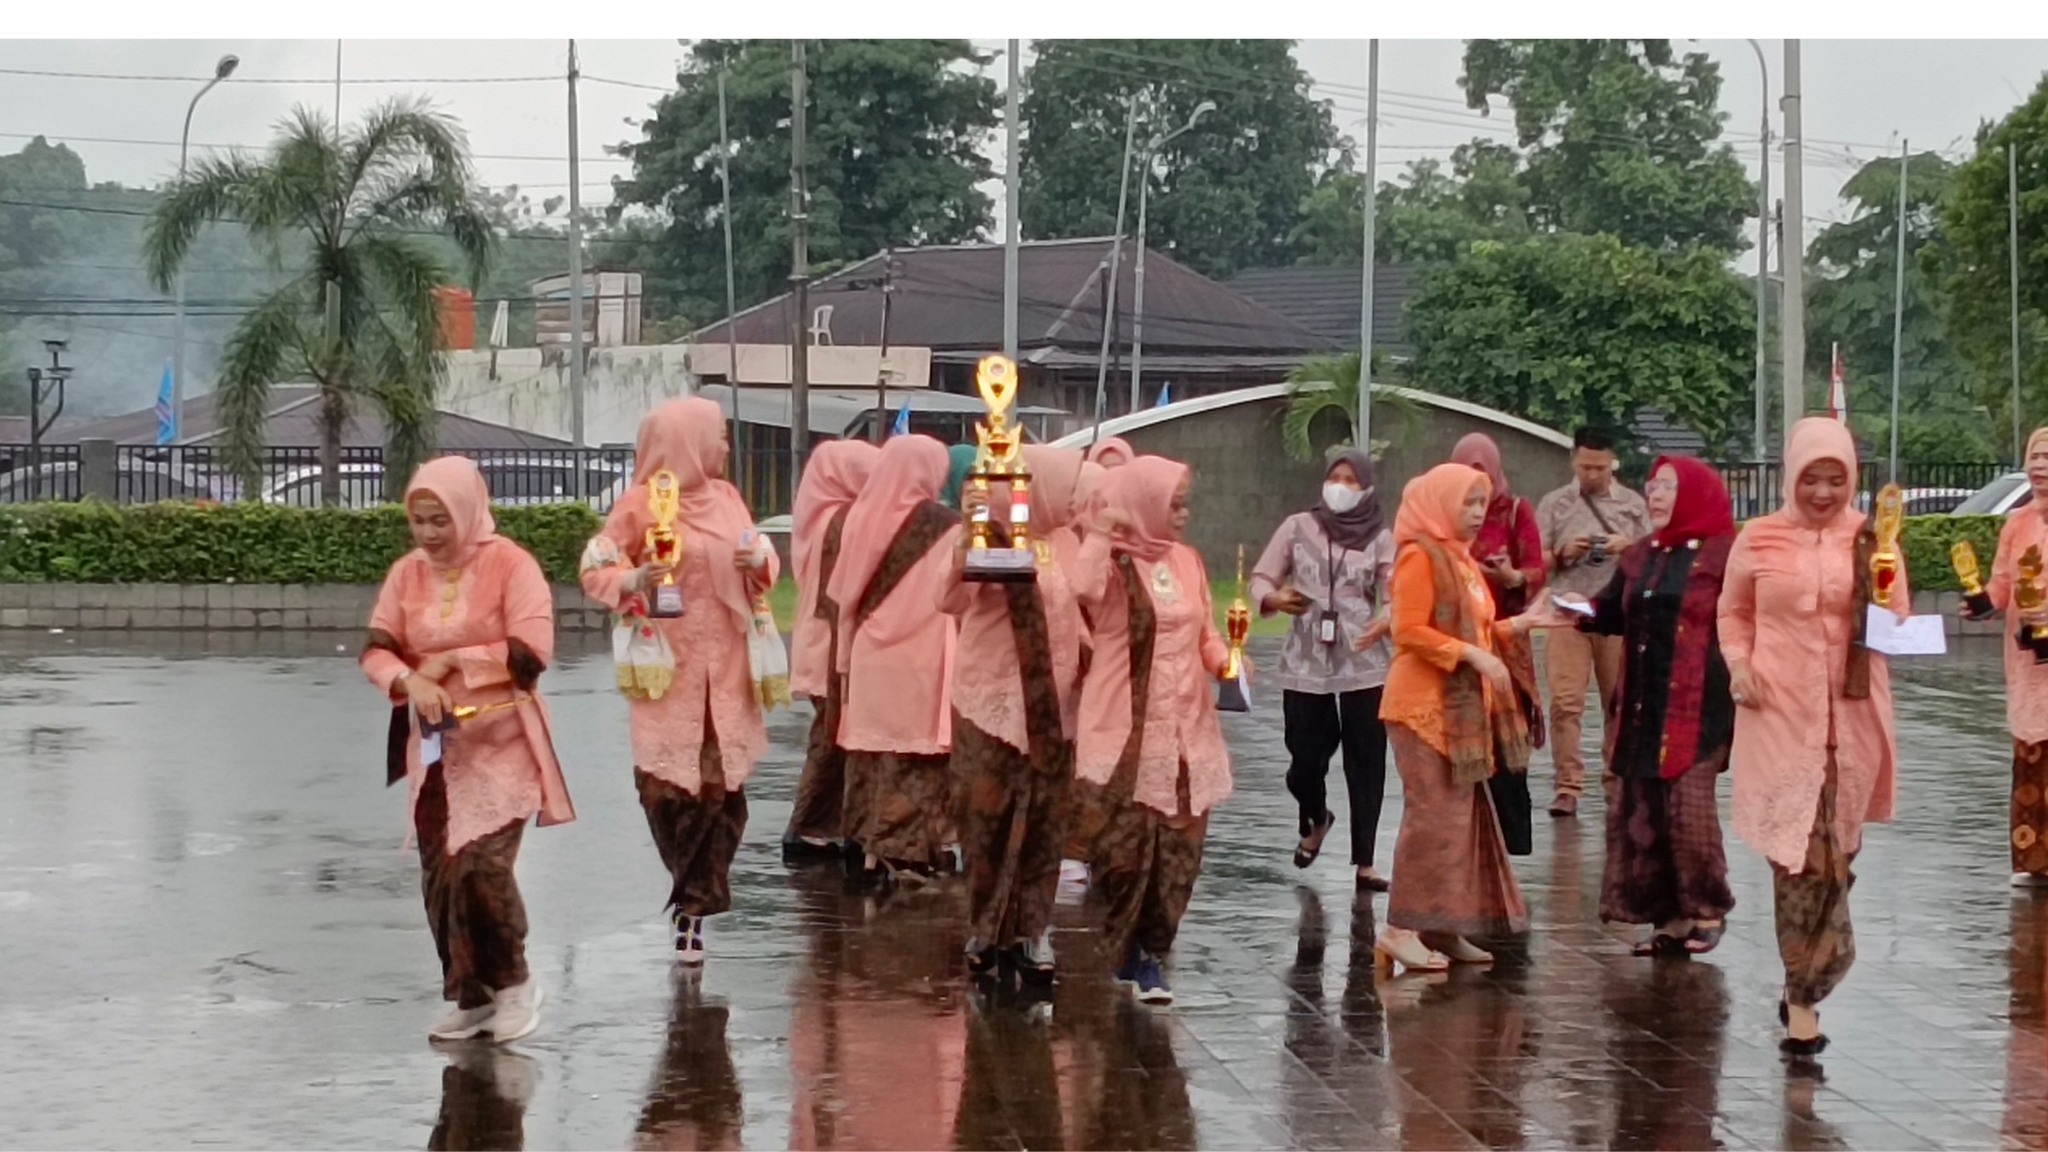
(212, 936)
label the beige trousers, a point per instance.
(1570, 660)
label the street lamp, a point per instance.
(1138, 273)
(221, 71)
(55, 375)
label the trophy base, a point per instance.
(666, 603)
(1001, 566)
(1230, 696)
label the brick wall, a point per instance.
(226, 607)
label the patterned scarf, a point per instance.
(1473, 734)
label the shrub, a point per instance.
(175, 543)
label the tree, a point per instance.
(1430, 216)
(894, 138)
(1619, 136)
(1850, 301)
(1226, 195)
(1973, 266)
(1570, 330)
(1323, 385)
(353, 214)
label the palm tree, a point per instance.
(354, 216)
(1330, 383)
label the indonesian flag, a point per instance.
(1838, 392)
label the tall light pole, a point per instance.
(1011, 226)
(1792, 308)
(1370, 212)
(575, 274)
(221, 71)
(2012, 218)
(1899, 311)
(1115, 266)
(1763, 259)
(1138, 270)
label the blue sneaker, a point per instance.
(1152, 986)
(1127, 972)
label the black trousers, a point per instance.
(1318, 724)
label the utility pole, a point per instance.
(337, 87)
(1760, 442)
(1899, 310)
(732, 339)
(221, 71)
(2012, 220)
(575, 276)
(1011, 225)
(1793, 307)
(799, 275)
(882, 372)
(1372, 158)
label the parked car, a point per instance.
(135, 482)
(513, 481)
(1997, 498)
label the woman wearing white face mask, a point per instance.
(1328, 568)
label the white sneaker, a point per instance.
(463, 1023)
(518, 1011)
(690, 940)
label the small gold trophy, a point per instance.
(1237, 623)
(999, 457)
(664, 546)
(1963, 558)
(2027, 594)
(1884, 562)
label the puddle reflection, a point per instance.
(484, 1093)
(694, 1104)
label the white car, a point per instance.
(513, 481)
(135, 482)
(1997, 498)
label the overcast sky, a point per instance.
(1861, 97)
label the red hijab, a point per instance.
(1701, 510)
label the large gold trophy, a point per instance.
(1962, 557)
(664, 545)
(1884, 562)
(1237, 623)
(999, 457)
(2028, 596)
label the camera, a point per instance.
(1598, 553)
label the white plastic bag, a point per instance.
(767, 658)
(642, 659)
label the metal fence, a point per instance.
(293, 476)
(1760, 488)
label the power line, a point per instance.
(322, 81)
(64, 139)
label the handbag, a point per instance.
(767, 659)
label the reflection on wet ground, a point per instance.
(213, 935)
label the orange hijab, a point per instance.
(1433, 503)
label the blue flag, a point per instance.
(902, 427)
(1164, 398)
(166, 419)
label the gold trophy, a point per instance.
(1237, 623)
(1963, 558)
(2027, 594)
(1884, 562)
(664, 546)
(999, 457)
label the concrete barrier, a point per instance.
(228, 607)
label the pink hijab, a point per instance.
(1477, 450)
(1144, 490)
(908, 471)
(1814, 439)
(687, 437)
(1055, 480)
(456, 482)
(837, 471)
(1114, 452)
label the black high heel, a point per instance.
(1311, 845)
(1794, 1048)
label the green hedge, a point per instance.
(1927, 540)
(172, 543)
(267, 544)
